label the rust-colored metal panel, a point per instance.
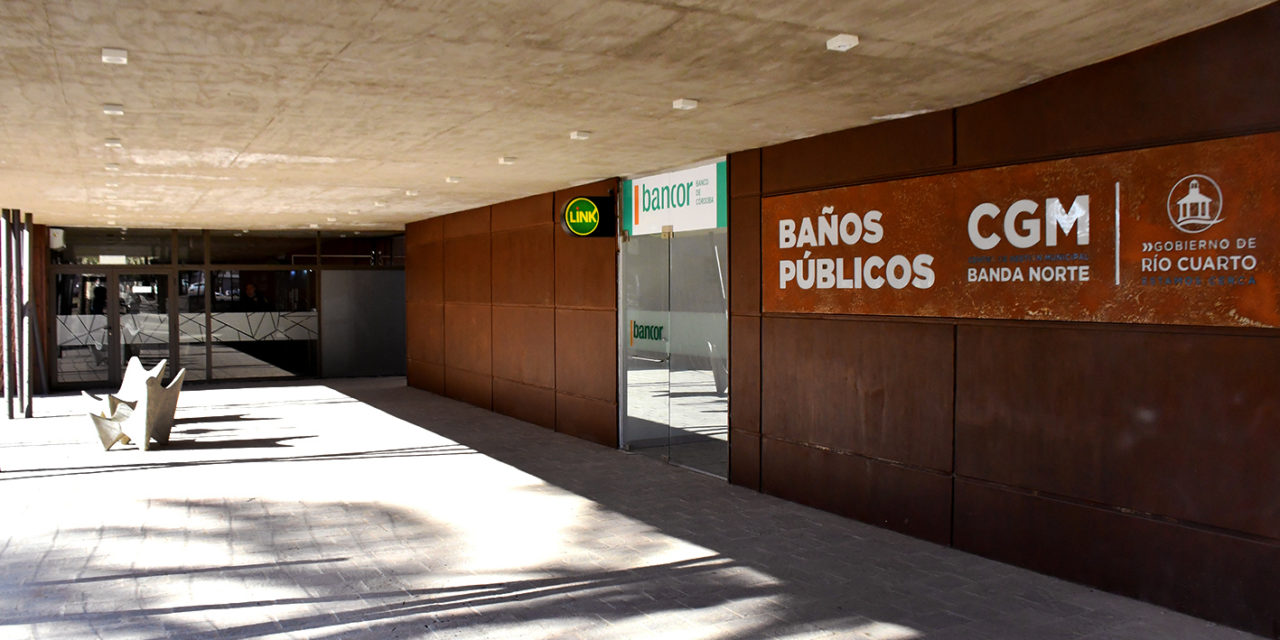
(467, 276)
(523, 402)
(468, 337)
(416, 373)
(424, 272)
(524, 348)
(1218, 81)
(1176, 424)
(524, 265)
(424, 331)
(898, 147)
(466, 223)
(744, 458)
(435, 378)
(586, 268)
(586, 272)
(880, 389)
(744, 373)
(415, 330)
(423, 232)
(586, 353)
(744, 173)
(525, 212)
(426, 376)
(1185, 234)
(1221, 577)
(587, 418)
(469, 387)
(913, 502)
(744, 255)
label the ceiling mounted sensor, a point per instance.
(579, 135)
(684, 104)
(842, 42)
(113, 143)
(114, 56)
(507, 160)
(113, 109)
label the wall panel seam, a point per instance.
(1121, 511)
(855, 454)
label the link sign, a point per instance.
(1186, 234)
(589, 217)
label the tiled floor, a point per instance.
(364, 509)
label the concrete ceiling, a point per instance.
(350, 114)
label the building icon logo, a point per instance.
(1195, 203)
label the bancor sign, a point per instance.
(1184, 234)
(684, 200)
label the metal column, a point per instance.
(6, 245)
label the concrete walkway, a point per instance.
(364, 509)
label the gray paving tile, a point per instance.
(364, 509)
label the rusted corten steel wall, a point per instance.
(508, 313)
(1142, 459)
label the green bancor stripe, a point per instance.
(626, 206)
(722, 195)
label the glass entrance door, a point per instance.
(82, 350)
(699, 391)
(646, 354)
(101, 320)
(143, 320)
(674, 367)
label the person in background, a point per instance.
(251, 300)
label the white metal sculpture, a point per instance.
(142, 410)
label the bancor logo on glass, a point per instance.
(684, 200)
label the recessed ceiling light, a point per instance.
(411, 193)
(112, 208)
(115, 56)
(112, 167)
(237, 235)
(507, 160)
(112, 143)
(842, 42)
(331, 219)
(357, 232)
(379, 203)
(244, 231)
(313, 226)
(684, 104)
(579, 135)
(353, 212)
(113, 109)
(111, 184)
(453, 179)
(899, 116)
(342, 235)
